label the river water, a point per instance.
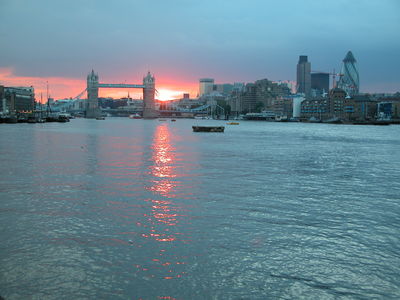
(145, 209)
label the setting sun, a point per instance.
(166, 94)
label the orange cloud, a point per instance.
(59, 87)
(65, 87)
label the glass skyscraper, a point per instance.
(349, 80)
(304, 76)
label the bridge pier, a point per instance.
(149, 110)
(92, 109)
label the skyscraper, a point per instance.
(350, 80)
(319, 83)
(304, 76)
(206, 86)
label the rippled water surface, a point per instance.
(143, 209)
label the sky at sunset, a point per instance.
(180, 41)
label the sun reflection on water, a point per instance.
(166, 213)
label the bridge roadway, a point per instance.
(121, 85)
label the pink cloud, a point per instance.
(65, 87)
(59, 87)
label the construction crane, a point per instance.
(333, 74)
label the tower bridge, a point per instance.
(92, 109)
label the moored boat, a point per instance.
(281, 119)
(11, 119)
(54, 117)
(135, 116)
(22, 119)
(208, 128)
(333, 120)
(62, 119)
(370, 123)
(31, 120)
(262, 116)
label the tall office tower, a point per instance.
(350, 80)
(304, 76)
(320, 83)
(206, 86)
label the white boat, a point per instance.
(135, 116)
(264, 115)
(281, 119)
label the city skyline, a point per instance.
(181, 42)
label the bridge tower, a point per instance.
(92, 109)
(149, 111)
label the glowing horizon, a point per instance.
(185, 41)
(66, 87)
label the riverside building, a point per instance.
(17, 99)
(257, 96)
(319, 84)
(339, 106)
(324, 108)
(206, 86)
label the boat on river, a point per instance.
(208, 128)
(12, 119)
(135, 116)
(263, 116)
(57, 118)
(371, 123)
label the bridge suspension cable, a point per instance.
(80, 94)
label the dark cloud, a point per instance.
(229, 40)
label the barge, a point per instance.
(208, 128)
